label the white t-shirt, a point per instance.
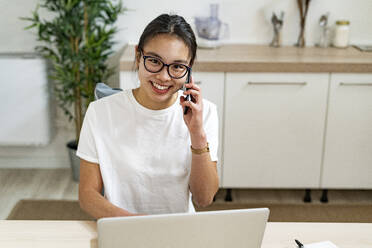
(144, 155)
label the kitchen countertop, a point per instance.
(263, 58)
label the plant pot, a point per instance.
(74, 160)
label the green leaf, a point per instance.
(71, 54)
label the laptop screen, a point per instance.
(211, 229)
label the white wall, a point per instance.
(249, 20)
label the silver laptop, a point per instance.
(213, 229)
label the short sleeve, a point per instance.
(211, 130)
(87, 146)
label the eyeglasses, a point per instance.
(155, 65)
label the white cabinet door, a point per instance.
(212, 86)
(348, 149)
(129, 80)
(274, 129)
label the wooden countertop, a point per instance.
(83, 234)
(263, 58)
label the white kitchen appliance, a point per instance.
(211, 31)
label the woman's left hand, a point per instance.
(194, 116)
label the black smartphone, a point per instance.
(188, 97)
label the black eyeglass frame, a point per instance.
(188, 69)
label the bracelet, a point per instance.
(201, 150)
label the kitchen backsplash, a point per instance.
(249, 20)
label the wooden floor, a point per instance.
(18, 184)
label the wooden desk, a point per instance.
(83, 234)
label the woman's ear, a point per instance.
(137, 56)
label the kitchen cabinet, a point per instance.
(348, 141)
(289, 117)
(129, 80)
(273, 130)
(212, 86)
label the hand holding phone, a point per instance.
(188, 97)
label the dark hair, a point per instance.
(172, 25)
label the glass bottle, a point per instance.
(341, 34)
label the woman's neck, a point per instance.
(142, 99)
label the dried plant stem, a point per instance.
(303, 13)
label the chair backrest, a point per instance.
(103, 90)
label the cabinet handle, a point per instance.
(277, 83)
(198, 82)
(355, 84)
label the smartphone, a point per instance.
(188, 97)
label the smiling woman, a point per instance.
(153, 78)
(138, 144)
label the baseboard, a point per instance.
(34, 162)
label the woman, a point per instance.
(140, 146)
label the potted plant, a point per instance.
(77, 41)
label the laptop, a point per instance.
(211, 229)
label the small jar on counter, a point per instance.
(341, 34)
